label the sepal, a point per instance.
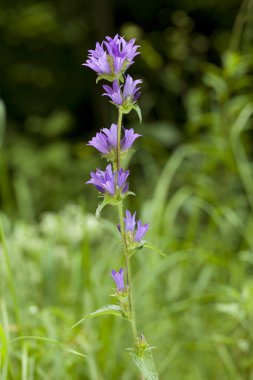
(110, 77)
(135, 246)
(122, 297)
(112, 156)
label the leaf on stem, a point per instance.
(105, 310)
(138, 111)
(145, 364)
(108, 200)
(154, 248)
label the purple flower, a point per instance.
(128, 139)
(107, 181)
(112, 57)
(141, 231)
(106, 140)
(126, 97)
(118, 278)
(134, 234)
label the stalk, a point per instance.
(123, 237)
(119, 123)
(128, 272)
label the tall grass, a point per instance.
(196, 302)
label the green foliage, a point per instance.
(193, 171)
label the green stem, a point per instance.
(123, 237)
(118, 139)
(128, 271)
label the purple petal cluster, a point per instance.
(106, 140)
(112, 56)
(129, 95)
(136, 233)
(108, 181)
(118, 278)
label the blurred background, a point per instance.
(191, 172)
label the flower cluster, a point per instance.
(112, 57)
(125, 98)
(109, 182)
(106, 141)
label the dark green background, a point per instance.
(53, 104)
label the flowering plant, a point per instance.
(110, 60)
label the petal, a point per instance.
(141, 231)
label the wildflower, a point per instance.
(134, 234)
(112, 57)
(128, 96)
(118, 278)
(106, 141)
(109, 182)
(134, 231)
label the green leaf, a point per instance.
(100, 207)
(146, 365)
(128, 193)
(108, 200)
(154, 248)
(105, 310)
(138, 111)
(108, 77)
(50, 341)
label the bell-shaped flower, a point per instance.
(106, 141)
(134, 231)
(118, 278)
(124, 96)
(109, 181)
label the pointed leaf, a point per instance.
(105, 310)
(100, 207)
(128, 193)
(106, 77)
(154, 248)
(146, 365)
(108, 200)
(50, 341)
(138, 111)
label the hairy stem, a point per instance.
(118, 139)
(128, 271)
(123, 237)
